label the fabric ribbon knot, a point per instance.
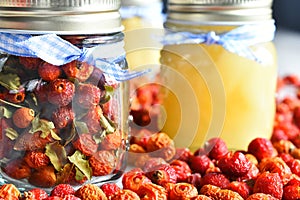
(238, 40)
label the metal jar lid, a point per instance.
(61, 16)
(196, 11)
(139, 2)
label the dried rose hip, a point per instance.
(61, 92)
(125, 194)
(102, 162)
(9, 192)
(80, 71)
(269, 183)
(36, 159)
(61, 190)
(162, 174)
(90, 191)
(182, 170)
(216, 179)
(262, 148)
(183, 191)
(48, 174)
(200, 163)
(112, 141)
(86, 144)
(35, 194)
(152, 191)
(22, 117)
(217, 193)
(259, 196)
(62, 117)
(87, 95)
(110, 189)
(30, 63)
(240, 187)
(49, 72)
(17, 169)
(134, 179)
(216, 148)
(16, 98)
(234, 164)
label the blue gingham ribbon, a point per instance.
(238, 40)
(57, 51)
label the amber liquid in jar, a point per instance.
(211, 92)
(73, 124)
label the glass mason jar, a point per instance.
(64, 95)
(220, 71)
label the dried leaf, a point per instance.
(4, 112)
(79, 160)
(65, 174)
(11, 133)
(81, 127)
(10, 81)
(46, 127)
(57, 155)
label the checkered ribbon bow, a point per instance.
(237, 41)
(57, 51)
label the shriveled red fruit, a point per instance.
(153, 191)
(260, 196)
(152, 162)
(251, 174)
(23, 117)
(183, 191)
(87, 95)
(262, 148)
(35, 194)
(89, 192)
(182, 170)
(162, 174)
(86, 144)
(17, 169)
(48, 174)
(125, 194)
(32, 142)
(112, 141)
(71, 197)
(217, 193)
(102, 162)
(54, 198)
(269, 183)
(17, 97)
(30, 63)
(234, 164)
(183, 154)
(60, 92)
(62, 117)
(202, 197)
(294, 165)
(78, 70)
(110, 189)
(216, 179)
(9, 192)
(134, 179)
(240, 187)
(141, 137)
(200, 163)
(49, 72)
(36, 159)
(194, 179)
(276, 165)
(216, 148)
(92, 119)
(291, 192)
(61, 190)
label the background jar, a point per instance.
(211, 91)
(65, 118)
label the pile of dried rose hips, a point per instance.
(268, 169)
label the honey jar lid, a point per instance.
(194, 11)
(61, 16)
(139, 2)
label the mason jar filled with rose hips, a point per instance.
(63, 93)
(220, 71)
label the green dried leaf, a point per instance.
(46, 127)
(109, 91)
(64, 175)
(10, 81)
(9, 103)
(105, 123)
(57, 155)
(78, 174)
(81, 127)
(79, 160)
(4, 112)
(11, 133)
(98, 138)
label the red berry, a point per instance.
(262, 148)
(30, 63)
(86, 144)
(216, 148)
(162, 174)
(110, 188)
(71, 197)
(61, 190)
(62, 117)
(36, 159)
(269, 183)
(36, 194)
(216, 179)
(102, 162)
(134, 179)
(61, 92)
(240, 187)
(200, 163)
(182, 170)
(78, 70)
(87, 95)
(291, 192)
(234, 164)
(49, 72)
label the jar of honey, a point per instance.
(219, 70)
(64, 97)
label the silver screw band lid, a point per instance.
(61, 16)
